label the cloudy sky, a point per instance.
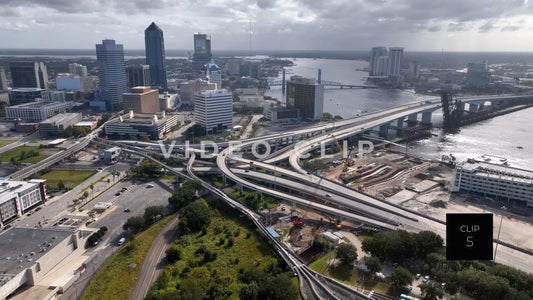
(417, 25)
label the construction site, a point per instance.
(396, 177)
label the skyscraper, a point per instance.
(29, 74)
(138, 75)
(202, 50)
(307, 96)
(376, 67)
(111, 72)
(155, 55)
(395, 60)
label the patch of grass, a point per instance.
(116, 280)
(6, 142)
(18, 152)
(246, 249)
(70, 178)
(97, 181)
(168, 177)
(350, 276)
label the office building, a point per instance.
(77, 69)
(377, 65)
(112, 73)
(155, 55)
(188, 88)
(17, 197)
(29, 74)
(71, 82)
(141, 100)
(395, 60)
(495, 181)
(306, 95)
(202, 50)
(214, 75)
(213, 110)
(36, 111)
(138, 75)
(34, 253)
(58, 123)
(3, 79)
(281, 114)
(27, 95)
(478, 74)
(131, 125)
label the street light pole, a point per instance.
(499, 231)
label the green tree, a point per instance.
(347, 254)
(431, 290)
(196, 285)
(401, 277)
(428, 242)
(326, 117)
(185, 194)
(153, 213)
(278, 287)
(173, 253)
(135, 224)
(373, 264)
(195, 215)
(60, 184)
(249, 291)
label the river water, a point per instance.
(499, 136)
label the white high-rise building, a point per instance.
(77, 69)
(375, 68)
(395, 60)
(213, 110)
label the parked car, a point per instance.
(121, 241)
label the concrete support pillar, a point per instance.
(224, 179)
(241, 190)
(412, 117)
(426, 117)
(473, 108)
(276, 143)
(384, 130)
(399, 123)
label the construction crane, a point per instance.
(347, 160)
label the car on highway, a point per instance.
(118, 193)
(127, 210)
(328, 195)
(149, 185)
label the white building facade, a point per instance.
(491, 180)
(16, 197)
(213, 110)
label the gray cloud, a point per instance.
(486, 27)
(510, 28)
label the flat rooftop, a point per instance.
(60, 118)
(21, 247)
(10, 187)
(499, 171)
(37, 104)
(139, 119)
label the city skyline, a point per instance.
(314, 25)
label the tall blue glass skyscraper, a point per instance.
(111, 72)
(155, 55)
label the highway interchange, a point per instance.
(342, 201)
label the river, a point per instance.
(499, 136)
